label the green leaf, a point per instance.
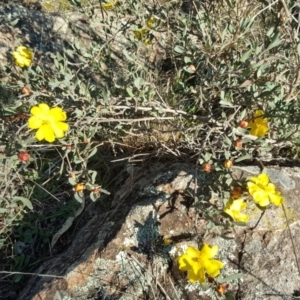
(244, 157)
(187, 59)
(225, 103)
(229, 296)
(230, 278)
(276, 41)
(179, 49)
(68, 223)
(128, 56)
(227, 141)
(298, 49)
(130, 92)
(105, 191)
(246, 55)
(79, 197)
(93, 152)
(93, 196)
(24, 200)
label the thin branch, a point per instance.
(291, 237)
(32, 274)
(293, 87)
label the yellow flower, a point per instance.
(167, 241)
(259, 125)
(23, 57)
(263, 192)
(79, 187)
(109, 5)
(48, 122)
(151, 23)
(143, 35)
(199, 263)
(233, 209)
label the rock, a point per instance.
(130, 252)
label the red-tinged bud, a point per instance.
(207, 167)
(236, 192)
(69, 147)
(72, 175)
(24, 156)
(243, 124)
(222, 289)
(96, 190)
(26, 90)
(238, 144)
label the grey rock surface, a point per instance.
(121, 254)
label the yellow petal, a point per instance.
(58, 114)
(41, 109)
(109, 4)
(259, 113)
(213, 267)
(45, 132)
(270, 188)
(184, 262)
(34, 122)
(238, 204)
(189, 260)
(240, 217)
(263, 179)
(209, 252)
(44, 108)
(151, 23)
(276, 199)
(40, 134)
(199, 276)
(59, 129)
(62, 126)
(261, 131)
(22, 56)
(261, 198)
(25, 52)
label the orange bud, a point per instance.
(72, 175)
(238, 144)
(222, 289)
(243, 124)
(206, 167)
(23, 156)
(97, 190)
(236, 192)
(228, 163)
(192, 68)
(79, 187)
(26, 90)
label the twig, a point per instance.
(158, 109)
(287, 12)
(291, 237)
(158, 284)
(293, 87)
(33, 274)
(103, 120)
